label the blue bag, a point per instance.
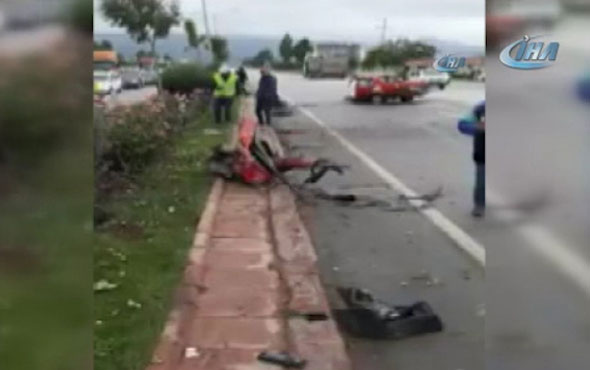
(467, 124)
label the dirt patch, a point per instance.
(18, 261)
(126, 231)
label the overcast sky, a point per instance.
(355, 20)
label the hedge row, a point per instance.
(185, 78)
(128, 138)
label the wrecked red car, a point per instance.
(384, 88)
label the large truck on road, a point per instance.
(331, 59)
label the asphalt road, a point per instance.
(388, 252)
(536, 286)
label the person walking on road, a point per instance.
(242, 80)
(266, 96)
(225, 91)
(474, 125)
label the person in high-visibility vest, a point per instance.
(225, 91)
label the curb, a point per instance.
(168, 351)
(319, 342)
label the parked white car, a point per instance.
(107, 82)
(431, 76)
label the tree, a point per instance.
(219, 49)
(396, 53)
(193, 38)
(121, 58)
(301, 48)
(144, 20)
(103, 45)
(263, 56)
(142, 53)
(286, 48)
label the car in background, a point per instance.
(132, 78)
(150, 76)
(480, 76)
(107, 82)
(431, 76)
(382, 88)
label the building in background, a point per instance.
(332, 59)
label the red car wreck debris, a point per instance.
(253, 160)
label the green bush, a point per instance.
(186, 78)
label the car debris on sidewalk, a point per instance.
(255, 162)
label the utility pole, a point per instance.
(206, 18)
(383, 31)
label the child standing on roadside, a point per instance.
(474, 125)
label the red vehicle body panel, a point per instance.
(388, 87)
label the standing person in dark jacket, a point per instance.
(474, 125)
(266, 96)
(242, 79)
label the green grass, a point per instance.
(144, 249)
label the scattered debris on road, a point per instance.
(291, 131)
(367, 317)
(309, 316)
(282, 109)
(400, 203)
(283, 359)
(320, 168)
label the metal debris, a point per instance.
(283, 359)
(320, 168)
(367, 317)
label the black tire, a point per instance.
(407, 99)
(442, 86)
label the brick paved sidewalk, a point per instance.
(251, 265)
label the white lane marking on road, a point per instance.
(556, 251)
(553, 249)
(463, 240)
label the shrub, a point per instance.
(127, 138)
(186, 78)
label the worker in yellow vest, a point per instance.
(225, 91)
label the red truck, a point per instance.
(383, 88)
